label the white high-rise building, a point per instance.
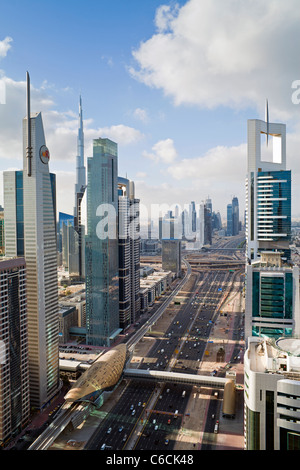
(268, 189)
(34, 218)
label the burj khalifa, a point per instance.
(80, 187)
(80, 168)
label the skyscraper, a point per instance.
(171, 256)
(229, 220)
(101, 250)
(235, 216)
(14, 374)
(129, 253)
(30, 218)
(272, 282)
(80, 186)
(80, 168)
(233, 219)
(268, 191)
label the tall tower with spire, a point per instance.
(30, 218)
(80, 168)
(80, 186)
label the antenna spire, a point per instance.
(267, 120)
(29, 147)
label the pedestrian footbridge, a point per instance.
(177, 377)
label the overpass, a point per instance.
(177, 377)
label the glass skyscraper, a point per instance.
(101, 249)
(129, 253)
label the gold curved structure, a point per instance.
(102, 375)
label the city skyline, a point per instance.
(179, 139)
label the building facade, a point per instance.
(101, 245)
(14, 368)
(268, 191)
(272, 298)
(30, 218)
(272, 394)
(171, 256)
(271, 280)
(229, 220)
(129, 253)
(235, 216)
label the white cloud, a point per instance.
(228, 163)
(141, 114)
(61, 128)
(164, 17)
(141, 174)
(163, 151)
(120, 133)
(224, 53)
(5, 45)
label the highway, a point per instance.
(46, 439)
(134, 339)
(144, 417)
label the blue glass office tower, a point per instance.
(101, 250)
(229, 220)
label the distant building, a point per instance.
(229, 221)
(67, 319)
(68, 244)
(207, 226)
(14, 366)
(171, 256)
(235, 216)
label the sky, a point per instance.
(172, 82)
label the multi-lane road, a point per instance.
(148, 415)
(156, 411)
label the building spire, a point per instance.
(80, 183)
(267, 120)
(29, 146)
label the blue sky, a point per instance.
(173, 83)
